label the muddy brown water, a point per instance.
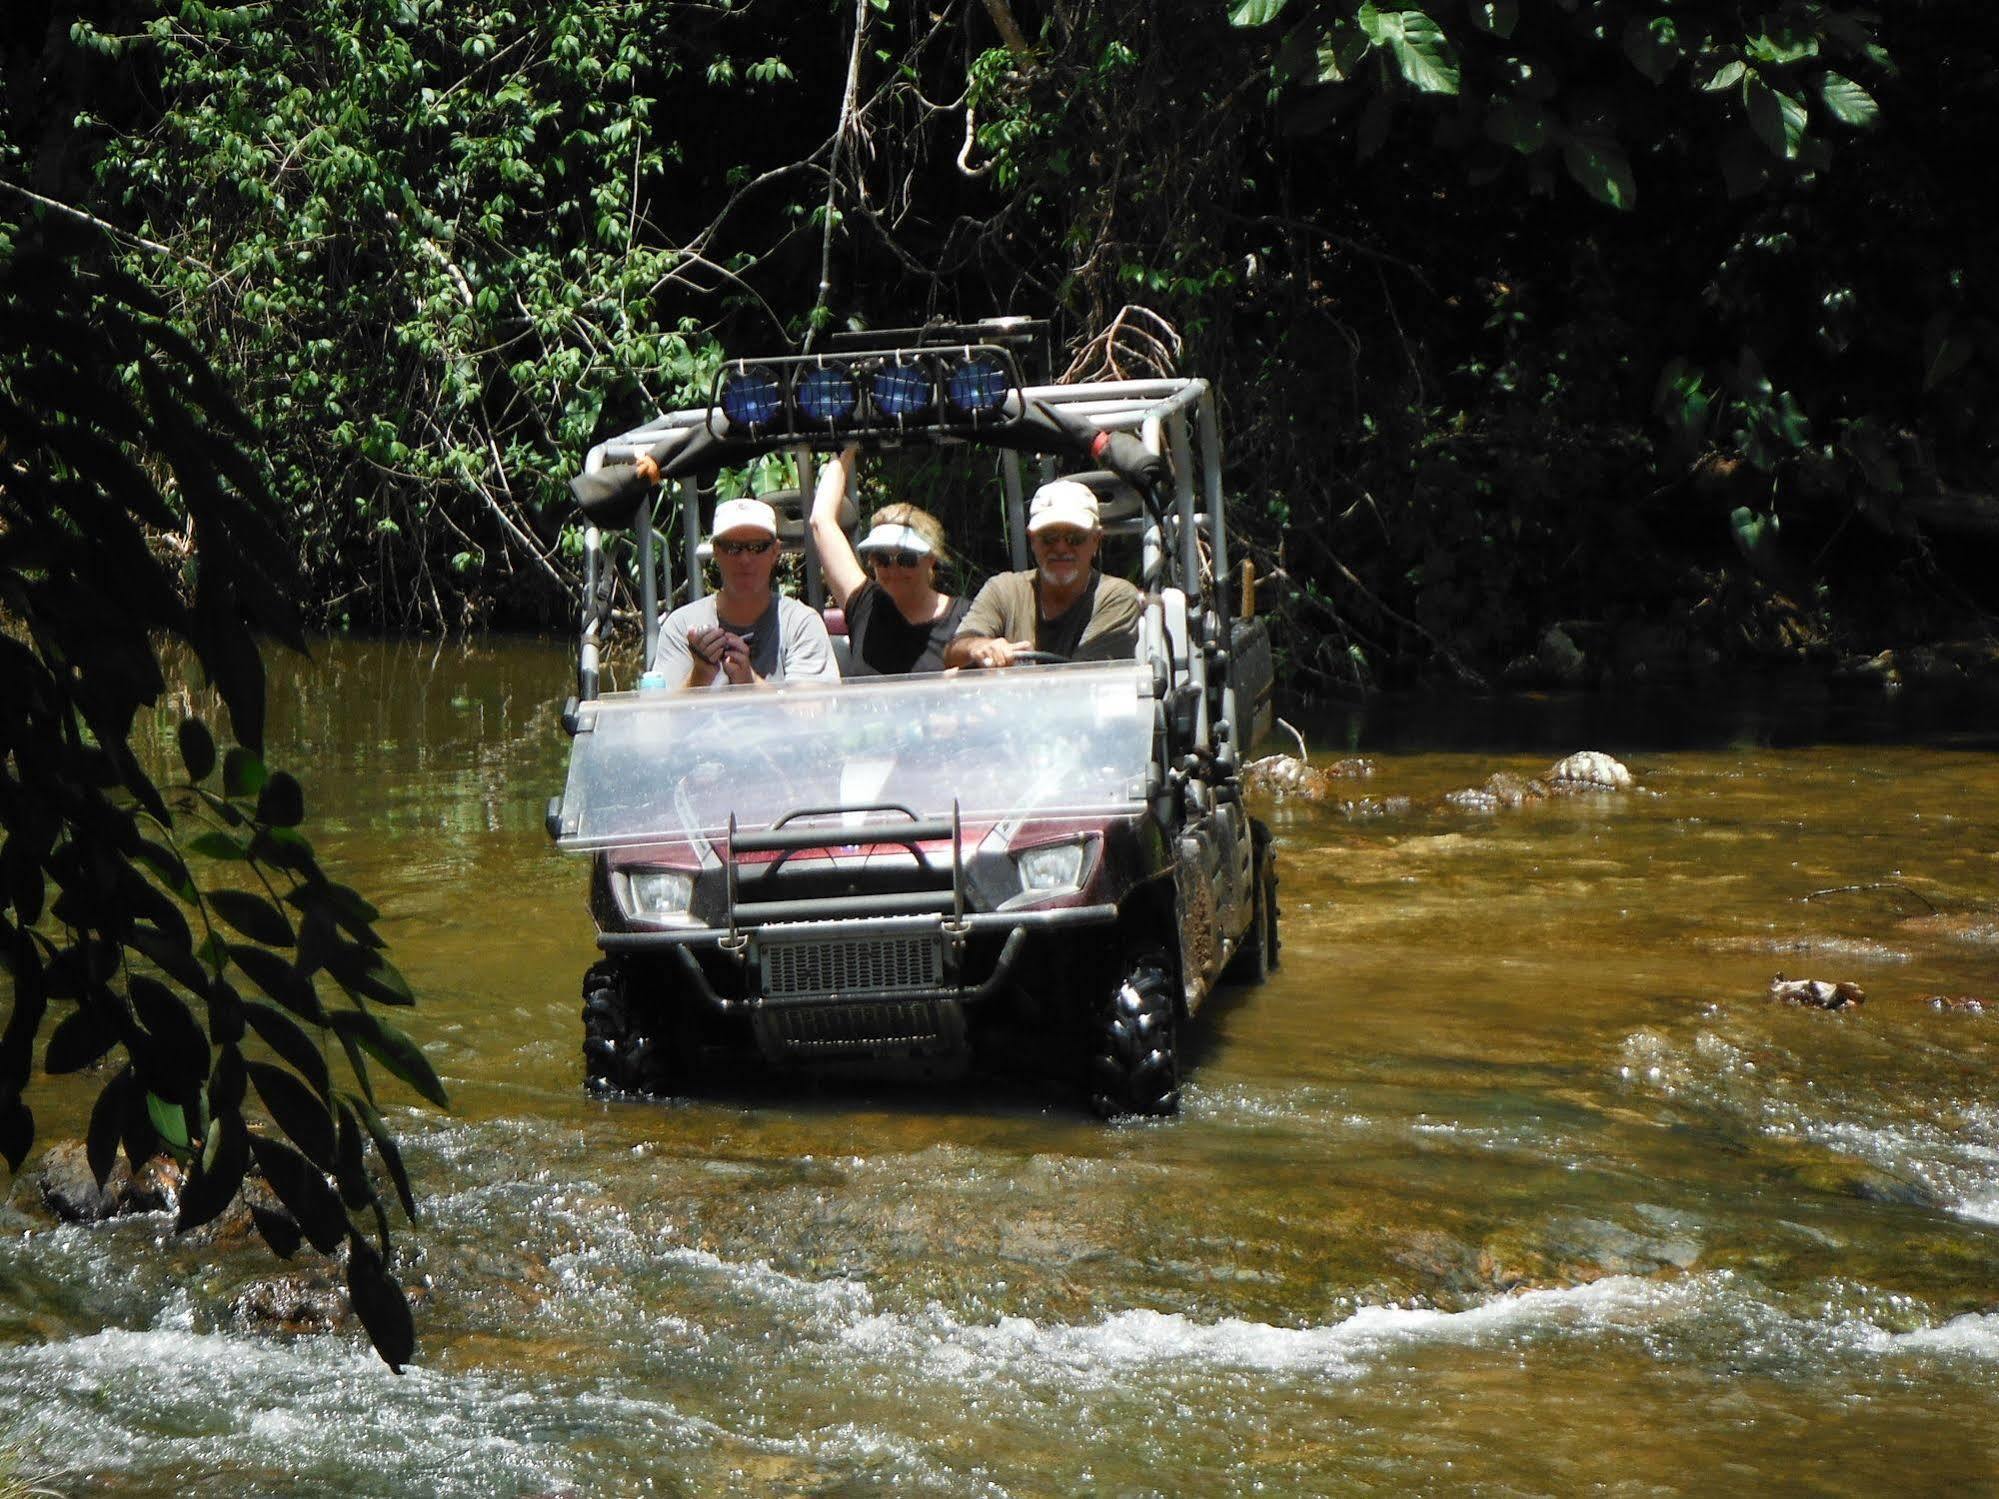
(1511, 1181)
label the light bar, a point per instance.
(826, 394)
(900, 390)
(751, 396)
(975, 385)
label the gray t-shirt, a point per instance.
(1008, 608)
(788, 643)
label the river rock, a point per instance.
(70, 1189)
(1281, 776)
(1588, 770)
(1962, 1004)
(299, 1303)
(1816, 994)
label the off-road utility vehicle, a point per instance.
(893, 873)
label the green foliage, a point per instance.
(416, 236)
(147, 924)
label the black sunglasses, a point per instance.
(897, 559)
(744, 548)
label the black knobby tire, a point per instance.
(620, 1053)
(1135, 1066)
(1257, 956)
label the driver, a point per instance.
(748, 633)
(1063, 605)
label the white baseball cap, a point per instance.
(1063, 502)
(893, 536)
(744, 515)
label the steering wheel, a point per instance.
(1035, 658)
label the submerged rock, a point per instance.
(70, 1189)
(1816, 994)
(1589, 770)
(1285, 777)
(1962, 1004)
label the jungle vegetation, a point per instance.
(1669, 322)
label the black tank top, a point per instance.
(881, 643)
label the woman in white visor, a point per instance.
(897, 619)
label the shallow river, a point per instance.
(1511, 1181)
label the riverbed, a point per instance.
(1512, 1180)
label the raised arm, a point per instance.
(837, 563)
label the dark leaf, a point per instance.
(17, 1130)
(304, 1192)
(341, 905)
(393, 1050)
(176, 1054)
(367, 974)
(281, 1033)
(279, 979)
(217, 1174)
(281, 803)
(385, 1147)
(107, 1123)
(197, 749)
(253, 916)
(243, 773)
(168, 866)
(226, 1083)
(296, 1110)
(217, 845)
(350, 1172)
(379, 1302)
(83, 1036)
(280, 1231)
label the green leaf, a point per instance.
(393, 1050)
(197, 749)
(1249, 13)
(253, 916)
(1726, 77)
(217, 845)
(1519, 123)
(1421, 50)
(1652, 44)
(1848, 102)
(169, 1121)
(243, 773)
(1777, 118)
(1598, 163)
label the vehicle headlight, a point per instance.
(659, 894)
(1053, 866)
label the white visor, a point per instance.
(891, 536)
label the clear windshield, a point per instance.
(1041, 740)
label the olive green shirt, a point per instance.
(1008, 608)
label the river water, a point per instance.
(1511, 1181)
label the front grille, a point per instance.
(873, 965)
(890, 1027)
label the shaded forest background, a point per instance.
(1557, 341)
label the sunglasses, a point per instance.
(744, 548)
(895, 559)
(1062, 538)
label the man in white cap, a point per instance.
(748, 633)
(1063, 605)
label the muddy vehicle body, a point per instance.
(897, 874)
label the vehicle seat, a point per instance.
(836, 632)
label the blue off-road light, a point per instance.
(825, 395)
(976, 386)
(901, 390)
(751, 397)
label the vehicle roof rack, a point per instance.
(1027, 337)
